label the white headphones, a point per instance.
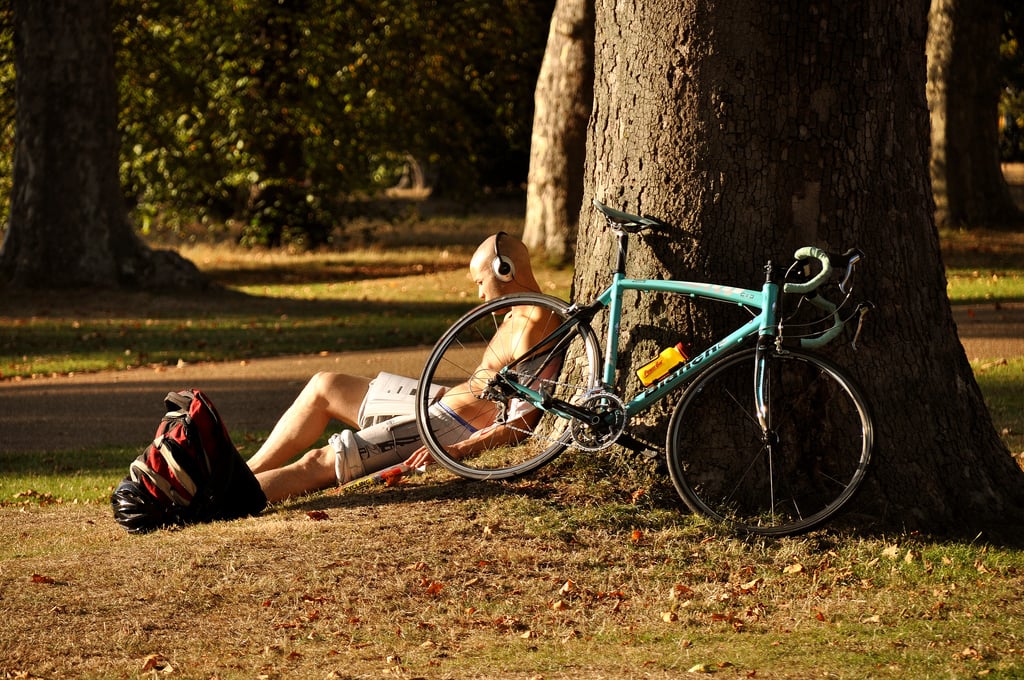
(503, 267)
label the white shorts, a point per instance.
(391, 395)
(389, 443)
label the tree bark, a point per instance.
(754, 128)
(963, 95)
(562, 104)
(68, 222)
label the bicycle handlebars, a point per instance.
(807, 253)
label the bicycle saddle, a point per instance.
(625, 221)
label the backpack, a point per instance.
(190, 473)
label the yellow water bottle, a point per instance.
(662, 364)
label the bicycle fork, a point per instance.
(762, 390)
(765, 340)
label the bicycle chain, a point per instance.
(545, 382)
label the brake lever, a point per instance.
(853, 255)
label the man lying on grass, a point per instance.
(500, 266)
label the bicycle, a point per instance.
(767, 437)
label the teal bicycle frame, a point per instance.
(763, 324)
(762, 303)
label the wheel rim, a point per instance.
(791, 479)
(566, 369)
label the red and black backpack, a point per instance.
(191, 472)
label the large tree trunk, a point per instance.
(558, 147)
(963, 95)
(754, 128)
(68, 223)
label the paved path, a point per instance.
(122, 408)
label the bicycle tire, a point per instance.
(789, 482)
(567, 368)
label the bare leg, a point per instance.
(325, 396)
(312, 472)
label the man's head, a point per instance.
(501, 265)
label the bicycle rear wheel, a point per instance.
(466, 359)
(787, 481)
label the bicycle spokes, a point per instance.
(787, 478)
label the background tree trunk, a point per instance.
(68, 222)
(562, 106)
(754, 128)
(963, 95)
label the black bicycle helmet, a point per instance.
(136, 510)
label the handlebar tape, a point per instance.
(806, 253)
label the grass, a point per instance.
(565, 574)
(984, 266)
(1002, 383)
(359, 300)
(583, 570)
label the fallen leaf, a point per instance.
(679, 591)
(39, 578)
(795, 568)
(317, 515)
(892, 552)
(751, 586)
(434, 588)
(636, 536)
(698, 668)
(669, 617)
(156, 662)
(569, 587)
(559, 605)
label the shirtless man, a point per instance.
(500, 266)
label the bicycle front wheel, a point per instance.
(789, 479)
(526, 334)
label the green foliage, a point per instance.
(6, 108)
(1011, 68)
(273, 112)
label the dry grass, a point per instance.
(564, 575)
(579, 571)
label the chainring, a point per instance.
(613, 422)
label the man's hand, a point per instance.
(420, 458)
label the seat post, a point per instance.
(622, 243)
